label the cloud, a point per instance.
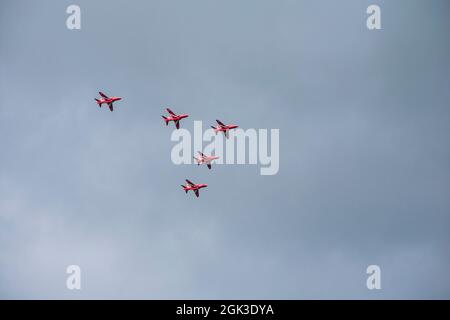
(363, 150)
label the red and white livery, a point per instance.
(174, 117)
(224, 128)
(194, 187)
(108, 100)
(204, 159)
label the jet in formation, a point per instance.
(201, 158)
(204, 159)
(174, 117)
(194, 187)
(108, 100)
(224, 128)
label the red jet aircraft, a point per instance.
(224, 128)
(174, 117)
(194, 187)
(105, 99)
(205, 159)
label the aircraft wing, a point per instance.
(177, 124)
(171, 112)
(103, 95)
(209, 165)
(220, 123)
(197, 193)
(110, 105)
(190, 182)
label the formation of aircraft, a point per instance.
(174, 117)
(108, 100)
(201, 158)
(194, 187)
(204, 159)
(224, 128)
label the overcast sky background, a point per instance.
(365, 160)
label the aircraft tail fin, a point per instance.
(166, 120)
(99, 103)
(184, 188)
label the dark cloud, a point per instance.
(364, 169)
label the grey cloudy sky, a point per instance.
(364, 168)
